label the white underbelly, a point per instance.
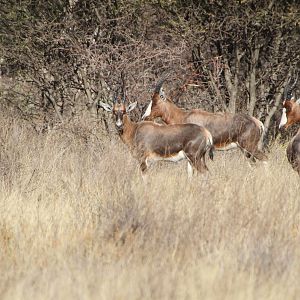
(174, 158)
(227, 147)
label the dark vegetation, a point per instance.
(60, 58)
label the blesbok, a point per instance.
(291, 115)
(228, 130)
(150, 142)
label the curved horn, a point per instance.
(294, 84)
(289, 88)
(123, 86)
(124, 95)
(159, 85)
(115, 97)
(287, 94)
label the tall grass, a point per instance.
(78, 222)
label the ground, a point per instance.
(78, 222)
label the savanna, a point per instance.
(77, 219)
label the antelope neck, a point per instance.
(128, 130)
(297, 113)
(171, 114)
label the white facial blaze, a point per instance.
(119, 122)
(148, 111)
(283, 120)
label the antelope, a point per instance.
(150, 142)
(291, 115)
(228, 130)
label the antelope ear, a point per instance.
(105, 106)
(131, 106)
(298, 101)
(148, 111)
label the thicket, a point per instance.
(60, 58)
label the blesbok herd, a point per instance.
(190, 134)
(228, 130)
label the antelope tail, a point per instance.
(211, 152)
(210, 146)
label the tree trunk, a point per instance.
(232, 81)
(252, 79)
(55, 106)
(278, 98)
(215, 88)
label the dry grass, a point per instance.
(78, 222)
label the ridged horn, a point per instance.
(289, 89)
(115, 97)
(159, 85)
(123, 86)
(124, 95)
(294, 84)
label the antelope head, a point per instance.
(157, 103)
(119, 110)
(291, 107)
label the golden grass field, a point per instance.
(78, 222)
